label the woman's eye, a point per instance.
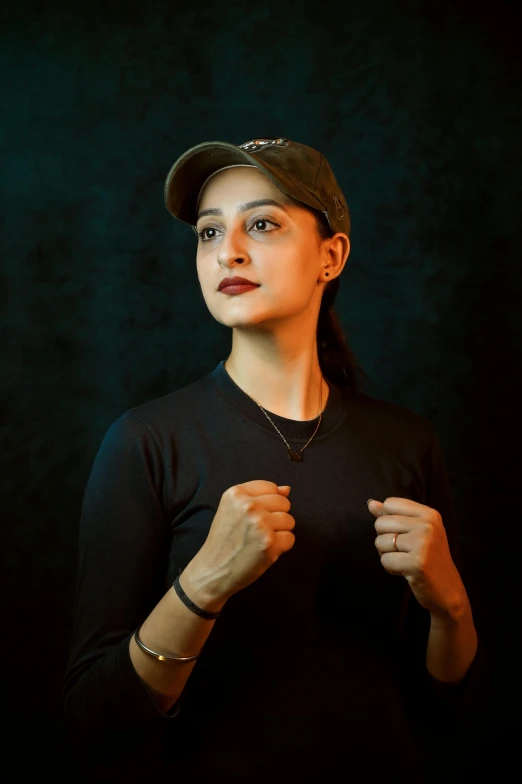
(260, 225)
(263, 222)
(202, 233)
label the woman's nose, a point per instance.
(232, 247)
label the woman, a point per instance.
(243, 606)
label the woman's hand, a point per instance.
(251, 529)
(423, 556)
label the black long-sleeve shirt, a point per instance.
(316, 668)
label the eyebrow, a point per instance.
(249, 205)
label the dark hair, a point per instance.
(336, 359)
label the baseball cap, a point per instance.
(296, 169)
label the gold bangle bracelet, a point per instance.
(160, 656)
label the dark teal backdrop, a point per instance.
(417, 107)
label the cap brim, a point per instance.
(194, 167)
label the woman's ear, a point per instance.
(338, 252)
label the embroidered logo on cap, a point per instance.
(254, 145)
(339, 209)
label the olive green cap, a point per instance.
(296, 169)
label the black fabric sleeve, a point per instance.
(439, 706)
(123, 546)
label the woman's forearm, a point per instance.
(172, 629)
(452, 644)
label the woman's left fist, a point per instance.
(421, 553)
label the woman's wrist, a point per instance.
(202, 588)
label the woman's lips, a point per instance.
(238, 288)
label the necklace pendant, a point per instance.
(296, 455)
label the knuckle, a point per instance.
(250, 506)
(265, 541)
(432, 516)
(415, 569)
(422, 534)
(420, 562)
(253, 522)
(274, 555)
(233, 492)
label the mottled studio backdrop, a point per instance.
(417, 107)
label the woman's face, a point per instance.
(273, 244)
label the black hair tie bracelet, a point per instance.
(210, 616)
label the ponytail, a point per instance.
(336, 359)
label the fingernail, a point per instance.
(369, 499)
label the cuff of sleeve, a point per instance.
(443, 707)
(172, 712)
(466, 689)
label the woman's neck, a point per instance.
(296, 396)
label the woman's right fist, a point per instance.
(250, 530)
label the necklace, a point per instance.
(294, 454)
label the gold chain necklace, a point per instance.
(294, 454)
